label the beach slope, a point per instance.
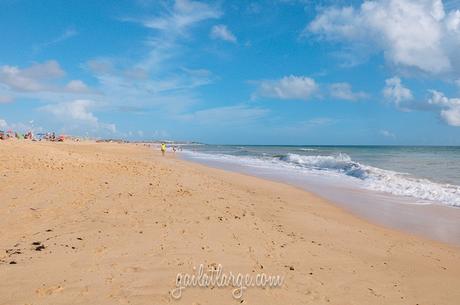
(107, 223)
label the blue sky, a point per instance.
(247, 72)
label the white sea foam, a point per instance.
(369, 177)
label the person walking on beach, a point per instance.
(163, 148)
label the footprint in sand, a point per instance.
(133, 269)
(48, 290)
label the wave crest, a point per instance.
(341, 163)
(367, 176)
(377, 179)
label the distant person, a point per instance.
(174, 148)
(163, 148)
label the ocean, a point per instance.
(410, 174)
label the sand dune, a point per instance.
(93, 223)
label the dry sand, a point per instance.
(115, 223)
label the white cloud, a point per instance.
(68, 33)
(451, 116)
(78, 113)
(387, 134)
(13, 78)
(198, 77)
(288, 88)
(182, 16)
(172, 92)
(37, 81)
(303, 88)
(110, 127)
(239, 114)
(344, 91)
(160, 78)
(222, 32)
(100, 66)
(396, 93)
(32, 78)
(76, 110)
(414, 34)
(158, 81)
(170, 24)
(77, 86)
(20, 126)
(47, 70)
(450, 107)
(3, 124)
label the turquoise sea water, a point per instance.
(424, 174)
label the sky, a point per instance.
(234, 72)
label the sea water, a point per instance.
(412, 188)
(425, 174)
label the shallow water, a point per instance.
(415, 189)
(425, 174)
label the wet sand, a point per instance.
(93, 223)
(434, 221)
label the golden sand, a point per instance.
(93, 223)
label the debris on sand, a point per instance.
(39, 248)
(39, 245)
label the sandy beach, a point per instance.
(107, 223)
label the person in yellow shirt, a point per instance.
(163, 148)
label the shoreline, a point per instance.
(433, 221)
(118, 222)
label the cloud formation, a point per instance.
(132, 88)
(77, 86)
(36, 79)
(303, 88)
(222, 32)
(344, 91)
(19, 126)
(227, 115)
(447, 108)
(44, 83)
(78, 114)
(288, 88)
(160, 78)
(450, 107)
(182, 15)
(32, 78)
(412, 34)
(67, 34)
(387, 134)
(171, 25)
(154, 81)
(396, 93)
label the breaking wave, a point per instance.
(369, 177)
(377, 179)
